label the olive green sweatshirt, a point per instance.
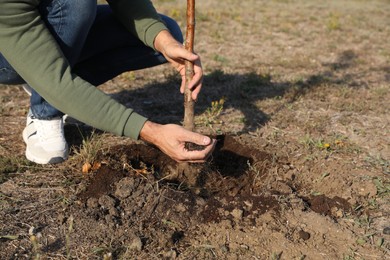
(29, 47)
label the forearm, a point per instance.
(29, 47)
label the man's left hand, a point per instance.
(176, 54)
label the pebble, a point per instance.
(170, 254)
(106, 201)
(386, 231)
(237, 214)
(304, 235)
(92, 203)
(136, 244)
(124, 188)
(224, 249)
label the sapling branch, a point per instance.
(189, 103)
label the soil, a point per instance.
(295, 92)
(170, 201)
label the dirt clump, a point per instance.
(224, 192)
(335, 207)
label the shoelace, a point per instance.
(49, 130)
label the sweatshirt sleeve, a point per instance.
(139, 17)
(29, 47)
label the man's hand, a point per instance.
(176, 54)
(171, 139)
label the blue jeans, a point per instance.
(96, 45)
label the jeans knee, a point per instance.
(173, 27)
(78, 11)
(85, 9)
(7, 74)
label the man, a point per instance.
(63, 48)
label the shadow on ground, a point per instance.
(162, 102)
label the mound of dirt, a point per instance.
(156, 202)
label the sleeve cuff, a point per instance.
(134, 125)
(152, 32)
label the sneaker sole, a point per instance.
(38, 160)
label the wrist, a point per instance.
(149, 131)
(163, 39)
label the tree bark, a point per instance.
(189, 103)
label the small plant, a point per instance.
(333, 22)
(309, 142)
(220, 58)
(275, 256)
(35, 242)
(334, 143)
(176, 14)
(130, 75)
(14, 164)
(364, 222)
(213, 112)
(87, 154)
(216, 108)
(382, 187)
(379, 162)
(256, 168)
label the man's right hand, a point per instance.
(171, 140)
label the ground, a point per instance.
(297, 93)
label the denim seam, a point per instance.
(61, 17)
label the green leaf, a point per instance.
(9, 237)
(361, 241)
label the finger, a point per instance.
(182, 53)
(196, 138)
(200, 156)
(195, 85)
(187, 55)
(183, 84)
(196, 92)
(196, 88)
(198, 75)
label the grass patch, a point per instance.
(13, 164)
(333, 22)
(89, 149)
(382, 187)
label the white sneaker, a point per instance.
(27, 89)
(45, 140)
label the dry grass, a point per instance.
(307, 81)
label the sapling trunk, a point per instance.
(189, 103)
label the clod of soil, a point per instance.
(304, 235)
(335, 207)
(194, 147)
